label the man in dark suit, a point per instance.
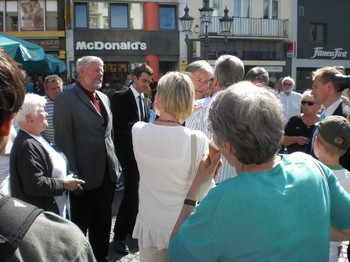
(128, 107)
(83, 132)
(327, 90)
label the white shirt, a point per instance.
(59, 170)
(198, 121)
(291, 104)
(329, 111)
(136, 95)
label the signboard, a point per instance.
(183, 65)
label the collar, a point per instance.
(136, 93)
(330, 110)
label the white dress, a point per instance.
(163, 156)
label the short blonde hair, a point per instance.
(176, 94)
(31, 105)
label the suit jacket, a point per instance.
(84, 136)
(125, 115)
(30, 174)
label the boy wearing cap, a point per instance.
(332, 141)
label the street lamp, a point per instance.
(226, 24)
(186, 23)
(206, 13)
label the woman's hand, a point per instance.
(208, 169)
(72, 183)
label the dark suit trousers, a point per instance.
(92, 212)
(129, 205)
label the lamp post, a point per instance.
(226, 24)
(206, 13)
(186, 24)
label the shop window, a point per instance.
(80, 15)
(119, 16)
(167, 17)
(318, 33)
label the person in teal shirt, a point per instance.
(278, 207)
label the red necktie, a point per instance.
(94, 101)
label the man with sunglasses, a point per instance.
(289, 98)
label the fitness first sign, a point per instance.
(335, 53)
(110, 46)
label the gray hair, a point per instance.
(85, 60)
(288, 78)
(200, 65)
(250, 119)
(229, 70)
(31, 105)
(52, 78)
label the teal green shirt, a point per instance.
(281, 214)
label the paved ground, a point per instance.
(113, 256)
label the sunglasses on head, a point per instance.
(309, 103)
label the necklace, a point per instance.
(168, 121)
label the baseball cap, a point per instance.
(336, 131)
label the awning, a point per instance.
(49, 65)
(21, 50)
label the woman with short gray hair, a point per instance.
(276, 208)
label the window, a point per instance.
(136, 16)
(119, 16)
(167, 17)
(51, 15)
(241, 8)
(80, 15)
(271, 9)
(318, 33)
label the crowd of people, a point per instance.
(206, 175)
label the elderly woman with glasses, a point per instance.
(299, 128)
(38, 173)
(278, 206)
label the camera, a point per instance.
(342, 81)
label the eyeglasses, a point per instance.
(309, 103)
(287, 84)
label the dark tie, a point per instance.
(94, 101)
(142, 117)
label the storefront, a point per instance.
(121, 51)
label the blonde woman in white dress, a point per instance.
(163, 155)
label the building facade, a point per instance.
(320, 38)
(38, 21)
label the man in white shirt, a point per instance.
(290, 100)
(200, 72)
(228, 70)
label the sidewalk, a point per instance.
(113, 256)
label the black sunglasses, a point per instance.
(310, 103)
